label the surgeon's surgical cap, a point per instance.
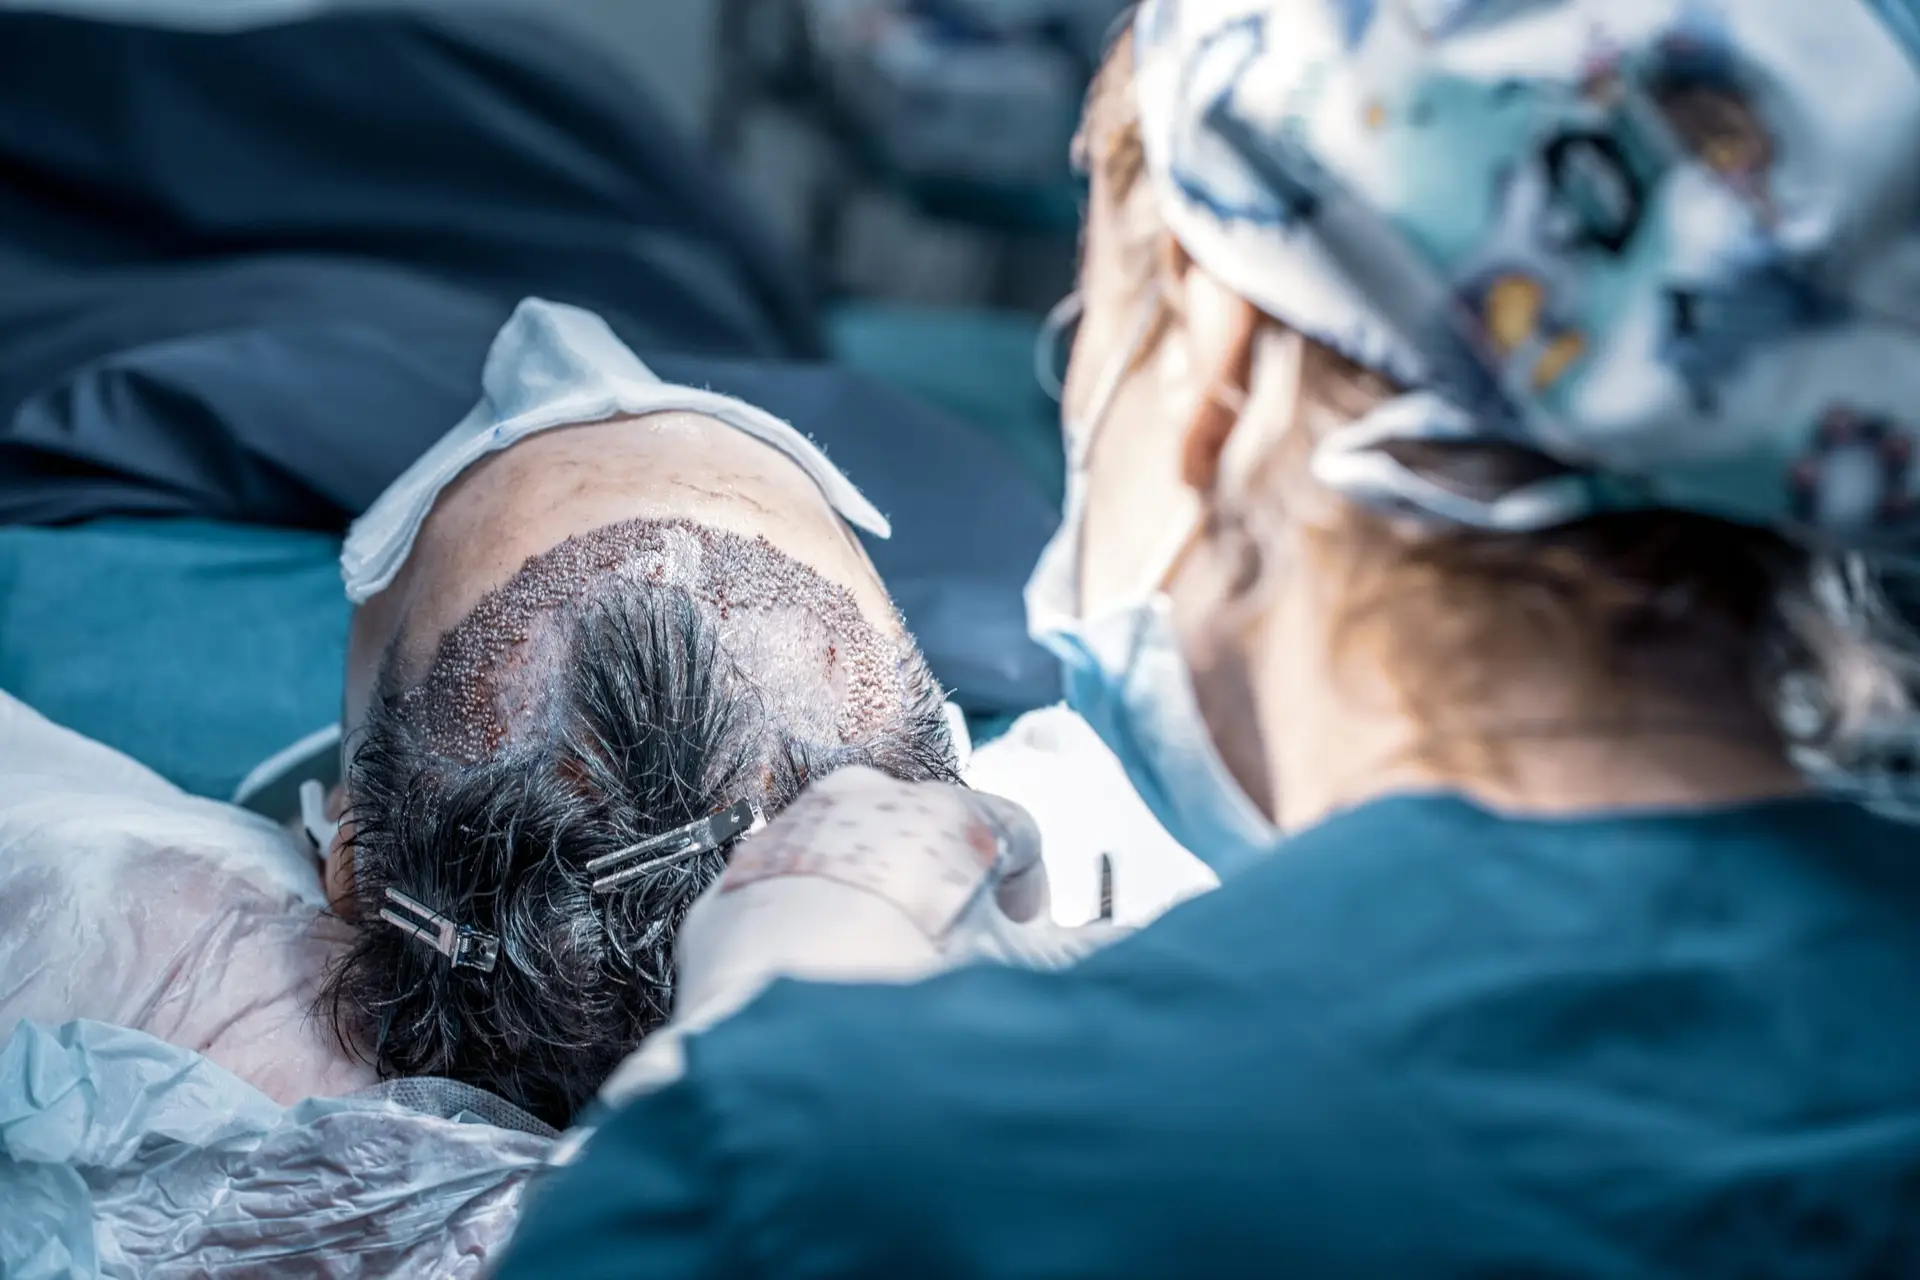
(1672, 245)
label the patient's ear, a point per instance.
(1221, 330)
(338, 874)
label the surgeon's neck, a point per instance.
(1663, 730)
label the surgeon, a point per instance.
(1457, 556)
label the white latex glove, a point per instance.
(863, 879)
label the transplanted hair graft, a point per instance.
(625, 683)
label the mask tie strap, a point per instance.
(1065, 314)
(1107, 390)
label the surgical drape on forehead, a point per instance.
(1672, 245)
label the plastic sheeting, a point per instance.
(124, 1156)
(127, 902)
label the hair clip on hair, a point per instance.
(464, 945)
(703, 835)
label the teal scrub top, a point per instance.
(1421, 1040)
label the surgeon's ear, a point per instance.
(1221, 331)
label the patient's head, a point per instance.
(622, 681)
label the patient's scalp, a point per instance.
(628, 682)
(799, 640)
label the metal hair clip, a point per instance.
(465, 946)
(700, 836)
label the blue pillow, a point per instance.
(198, 649)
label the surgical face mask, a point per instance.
(1125, 675)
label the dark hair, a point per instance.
(646, 721)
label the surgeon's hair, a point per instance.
(628, 682)
(1808, 639)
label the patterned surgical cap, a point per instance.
(1671, 245)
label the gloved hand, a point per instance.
(863, 879)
